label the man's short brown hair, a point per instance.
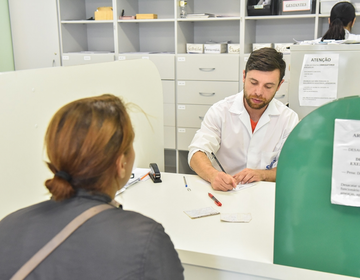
(266, 59)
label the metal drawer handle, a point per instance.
(281, 96)
(201, 118)
(207, 69)
(207, 94)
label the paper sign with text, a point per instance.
(345, 183)
(318, 79)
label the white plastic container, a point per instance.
(194, 48)
(215, 48)
(233, 48)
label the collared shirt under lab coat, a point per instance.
(226, 131)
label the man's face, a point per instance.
(260, 87)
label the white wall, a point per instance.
(29, 98)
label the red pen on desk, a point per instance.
(217, 202)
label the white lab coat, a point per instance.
(226, 131)
(348, 36)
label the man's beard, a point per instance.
(253, 105)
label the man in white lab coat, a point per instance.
(245, 132)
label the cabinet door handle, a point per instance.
(207, 69)
(207, 94)
(281, 96)
(201, 118)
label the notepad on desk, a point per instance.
(236, 217)
(201, 212)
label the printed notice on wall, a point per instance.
(318, 79)
(298, 5)
(345, 183)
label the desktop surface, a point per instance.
(244, 249)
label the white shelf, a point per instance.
(210, 19)
(86, 21)
(145, 20)
(279, 17)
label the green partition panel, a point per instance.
(310, 232)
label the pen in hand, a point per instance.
(218, 162)
(217, 202)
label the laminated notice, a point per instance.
(345, 183)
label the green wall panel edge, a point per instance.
(310, 232)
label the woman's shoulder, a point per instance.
(28, 211)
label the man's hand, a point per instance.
(248, 175)
(221, 181)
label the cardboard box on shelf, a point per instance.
(146, 16)
(103, 13)
(194, 48)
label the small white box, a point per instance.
(215, 48)
(326, 5)
(283, 47)
(257, 46)
(194, 48)
(233, 48)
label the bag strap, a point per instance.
(36, 259)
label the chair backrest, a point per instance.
(310, 232)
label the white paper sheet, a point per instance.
(345, 184)
(244, 186)
(201, 212)
(140, 174)
(236, 217)
(318, 79)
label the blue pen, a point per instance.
(185, 182)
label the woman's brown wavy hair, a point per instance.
(84, 139)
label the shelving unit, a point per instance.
(189, 90)
(163, 40)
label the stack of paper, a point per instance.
(200, 15)
(138, 174)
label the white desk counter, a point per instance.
(209, 248)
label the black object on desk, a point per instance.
(155, 173)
